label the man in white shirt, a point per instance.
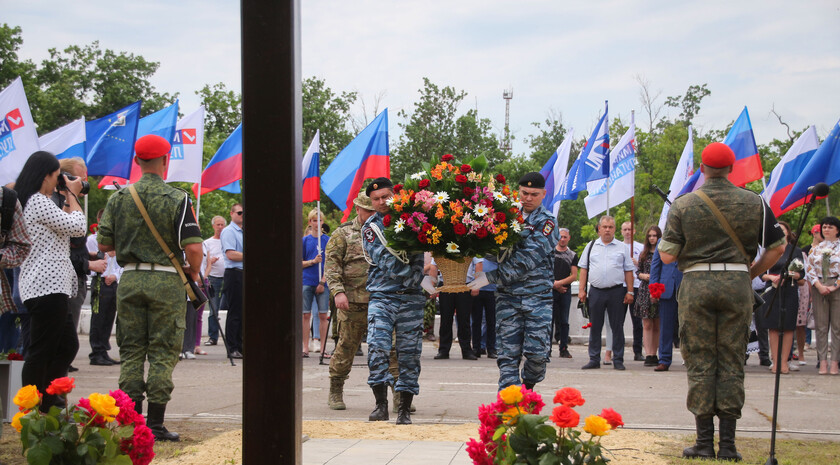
(214, 270)
(608, 267)
(636, 247)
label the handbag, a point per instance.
(809, 320)
(583, 305)
(196, 296)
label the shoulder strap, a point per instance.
(725, 224)
(160, 240)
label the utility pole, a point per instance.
(508, 96)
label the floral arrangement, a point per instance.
(513, 431)
(453, 210)
(11, 355)
(102, 428)
(656, 290)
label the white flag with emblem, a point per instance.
(18, 137)
(621, 183)
(185, 159)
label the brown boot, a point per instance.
(336, 399)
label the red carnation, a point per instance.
(460, 229)
(569, 397)
(421, 236)
(424, 183)
(405, 217)
(397, 188)
(426, 227)
(500, 217)
(612, 417)
(447, 157)
(565, 417)
(466, 168)
(487, 202)
(387, 220)
(461, 179)
(500, 178)
(656, 290)
(481, 233)
(468, 191)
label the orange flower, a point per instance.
(27, 397)
(511, 415)
(439, 213)
(596, 426)
(61, 386)
(569, 397)
(565, 417)
(511, 394)
(16, 420)
(500, 237)
(506, 190)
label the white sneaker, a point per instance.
(315, 345)
(189, 355)
(803, 362)
(793, 366)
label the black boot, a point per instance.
(380, 393)
(404, 415)
(705, 445)
(138, 406)
(529, 386)
(154, 420)
(726, 446)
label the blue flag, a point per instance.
(594, 163)
(110, 142)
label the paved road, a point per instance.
(451, 390)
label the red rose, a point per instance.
(500, 178)
(14, 356)
(387, 220)
(398, 188)
(466, 168)
(460, 229)
(424, 183)
(468, 191)
(569, 397)
(481, 233)
(500, 217)
(426, 227)
(447, 157)
(461, 179)
(612, 417)
(412, 196)
(487, 202)
(421, 236)
(405, 217)
(61, 386)
(565, 417)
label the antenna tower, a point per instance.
(508, 96)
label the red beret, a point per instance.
(816, 229)
(718, 155)
(150, 147)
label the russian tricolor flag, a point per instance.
(365, 157)
(786, 173)
(823, 167)
(67, 141)
(224, 170)
(747, 167)
(554, 173)
(310, 171)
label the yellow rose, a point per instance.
(511, 394)
(104, 405)
(27, 397)
(511, 416)
(596, 426)
(16, 420)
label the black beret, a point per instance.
(533, 179)
(378, 183)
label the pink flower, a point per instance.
(85, 407)
(139, 447)
(478, 453)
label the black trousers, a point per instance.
(102, 323)
(611, 302)
(53, 343)
(459, 304)
(484, 304)
(638, 328)
(560, 317)
(233, 297)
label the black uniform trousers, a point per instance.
(102, 322)
(452, 304)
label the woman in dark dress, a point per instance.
(643, 308)
(789, 298)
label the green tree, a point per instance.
(328, 112)
(12, 67)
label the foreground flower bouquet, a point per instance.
(456, 212)
(101, 429)
(513, 431)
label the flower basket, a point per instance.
(454, 274)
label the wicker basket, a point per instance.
(454, 274)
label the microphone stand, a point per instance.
(779, 293)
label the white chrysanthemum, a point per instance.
(480, 210)
(517, 204)
(399, 226)
(515, 227)
(452, 247)
(390, 201)
(418, 176)
(499, 196)
(441, 197)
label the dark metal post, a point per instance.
(271, 130)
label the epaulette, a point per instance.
(346, 223)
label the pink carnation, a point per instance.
(478, 453)
(531, 401)
(127, 415)
(139, 447)
(87, 410)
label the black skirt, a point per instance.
(771, 320)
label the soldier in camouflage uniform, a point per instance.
(715, 299)
(523, 299)
(396, 304)
(151, 298)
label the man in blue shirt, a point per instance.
(232, 246)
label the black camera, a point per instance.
(62, 184)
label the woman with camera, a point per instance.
(47, 279)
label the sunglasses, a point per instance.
(238, 213)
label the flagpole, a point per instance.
(86, 206)
(198, 203)
(320, 264)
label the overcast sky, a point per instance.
(556, 55)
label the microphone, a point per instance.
(819, 189)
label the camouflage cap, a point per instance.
(363, 201)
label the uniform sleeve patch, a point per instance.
(369, 235)
(548, 227)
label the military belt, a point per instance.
(149, 267)
(717, 267)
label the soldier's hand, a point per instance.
(479, 281)
(428, 284)
(341, 301)
(97, 266)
